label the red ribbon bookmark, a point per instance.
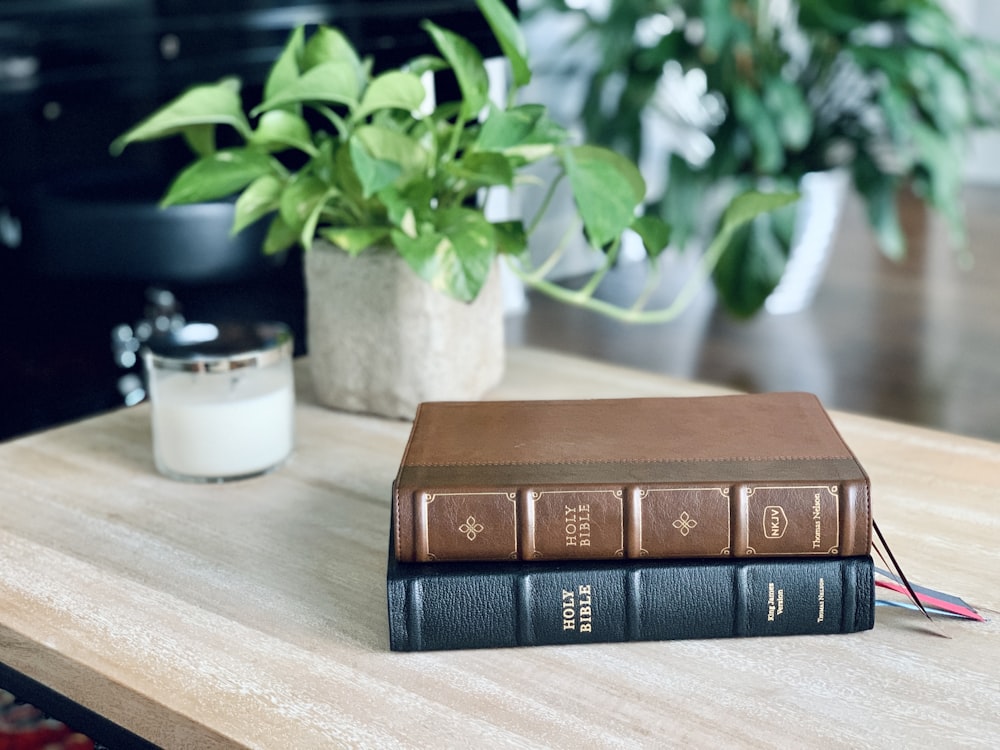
(930, 598)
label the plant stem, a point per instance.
(337, 120)
(597, 277)
(542, 271)
(456, 136)
(635, 314)
(649, 286)
(546, 200)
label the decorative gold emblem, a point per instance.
(775, 522)
(471, 528)
(684, 524)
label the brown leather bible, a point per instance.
(717, 476)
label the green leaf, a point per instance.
(420, 251)
(941, 158)
(783, 221)
(541, 142)
(302, 198)
(654, 232)
(279, 236)
(308, 232)
(786, 103)
(329, 45)
(720, 23)
(900, 116)
(510, 37)
(374, 174)
(931, 27)
(338, 169)
(210, 104)
(751, 204)
(512, 239)
(483, 170)
(750, 268)
(879, 193)
(329, 82)
(285, 70)
(417, 196)
(504, 129)
(280, 129)
(769, 154)
(217, 176)
(261, 197)
(393, 146)
(943, 93)
(820, 14)
(392, 90)
(456, 258)
(884, 215)
(742, 263)
(425, 64)
(355, 240)
(607, 188)
(381, 156)
(396, 204)
(200, 139)
(467, 64)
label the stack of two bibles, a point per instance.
(524, 523)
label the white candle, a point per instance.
(216, 418)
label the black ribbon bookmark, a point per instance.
(902, 576)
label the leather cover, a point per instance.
(490, 605)
(718, 476)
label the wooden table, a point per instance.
(253, 613)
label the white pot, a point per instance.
(380, 339)
(816, 216)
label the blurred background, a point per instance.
(909, 335)
(884, 114)
(73, 76)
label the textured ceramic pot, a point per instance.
(380, 339)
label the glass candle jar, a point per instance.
(222, 399)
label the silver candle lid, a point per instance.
(219, 347)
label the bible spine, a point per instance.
(665, 520)
(475, 605)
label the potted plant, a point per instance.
(764, 92)
(382, 186)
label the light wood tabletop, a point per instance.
(254, 613)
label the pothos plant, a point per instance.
(767, 91)
(366, 159)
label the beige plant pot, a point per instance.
(380, 339)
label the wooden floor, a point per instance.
(917, 342)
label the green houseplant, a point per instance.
(353, 163)
(766, 92)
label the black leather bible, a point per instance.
(490, 605)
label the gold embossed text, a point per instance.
(775, 522)
(578, 525)
(775, 602)
(577, 609)
(817, 528)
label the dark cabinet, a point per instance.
(74, 74)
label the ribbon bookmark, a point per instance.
(902, 576)
(937, 601)
(921, 596)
